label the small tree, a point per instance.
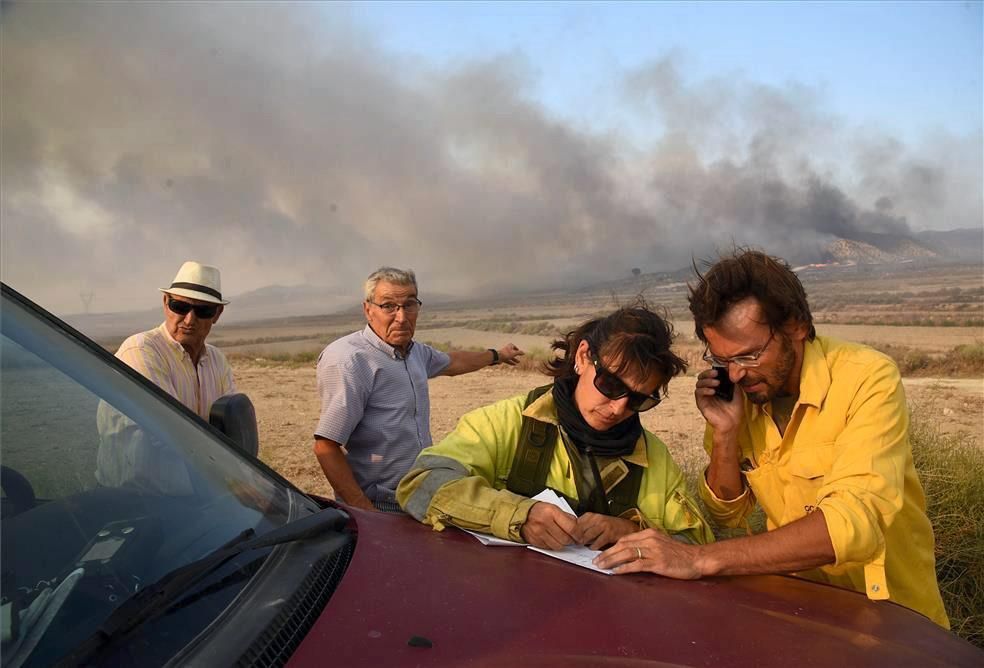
(636, 271)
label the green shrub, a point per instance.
(443, 346)
(965, 360)
(971, 354)
(534, 359)
(223, 343)
(952, 472)
(911, 361)
(307, 358)
(541, 328)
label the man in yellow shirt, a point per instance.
(816, 433)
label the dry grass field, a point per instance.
(287, 409)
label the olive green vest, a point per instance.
(534, 452)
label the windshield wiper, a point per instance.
(157, 598)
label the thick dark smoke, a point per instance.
(280, 143)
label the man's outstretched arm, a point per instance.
(466, 361)
(798, 546)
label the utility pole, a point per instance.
(86, 297)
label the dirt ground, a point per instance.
(287, 409)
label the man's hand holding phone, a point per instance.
(715, 399)
(725, 389)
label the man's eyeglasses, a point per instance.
(744, 361)
(202, 311)
(389, 308)
(612, 387)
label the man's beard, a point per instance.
(775, 380)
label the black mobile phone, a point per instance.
(726, 389)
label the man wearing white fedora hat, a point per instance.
(175, 357)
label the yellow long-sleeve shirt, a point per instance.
(846, 453)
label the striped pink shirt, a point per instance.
(126, 455)
(157, 356)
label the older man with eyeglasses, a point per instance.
(817, 437)
(175, 357)
(375, 406)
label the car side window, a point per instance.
(47, 426)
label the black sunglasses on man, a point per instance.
(202, 311)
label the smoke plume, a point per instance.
(281, 143)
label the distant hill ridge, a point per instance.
(873, 248)
(274, 302)
(964, 244)
(879, 251)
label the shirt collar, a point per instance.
(545, 410)
(180, 348)
(373, 339)
(170, 339)
(814, 379)
(814, 375)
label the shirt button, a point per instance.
(875, 587)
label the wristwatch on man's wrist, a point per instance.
(495, 356)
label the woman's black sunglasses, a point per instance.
(613, 388)
(202, 311)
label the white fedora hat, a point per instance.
(197, 281)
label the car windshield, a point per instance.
(107, 487)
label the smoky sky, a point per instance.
(283, 144)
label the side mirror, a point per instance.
(234, 416)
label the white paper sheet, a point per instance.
(554, 499)
(572, 554)
(489, 539)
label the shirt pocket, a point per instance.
(807, 470)
(682, 516)
(767, 491)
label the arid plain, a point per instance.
(921, 315)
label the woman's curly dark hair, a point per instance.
(634, 340)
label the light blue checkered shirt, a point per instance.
(375, 403)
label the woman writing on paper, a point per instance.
(580, 436)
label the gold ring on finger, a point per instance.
(638, 553)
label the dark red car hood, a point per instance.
(494, 606)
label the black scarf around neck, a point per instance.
(618, 441)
